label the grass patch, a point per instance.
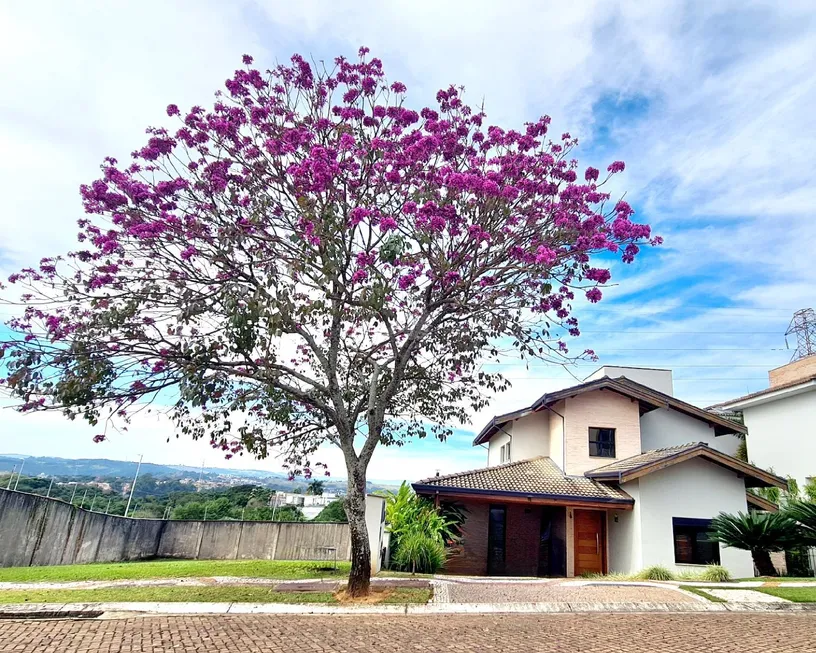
(387, 573)
(795, 594)
(781, 579)
(226, 594)
(214, 594)
(283, 569)
(390, 595)
(699, 591)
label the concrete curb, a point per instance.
(122, 610)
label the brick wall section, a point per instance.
(469, 557)
(523, 531)
(605, 409)
(792, 372)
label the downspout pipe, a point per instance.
(563, 438)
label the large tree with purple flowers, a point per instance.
(311, 261)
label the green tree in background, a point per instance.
(315, 488)
(334, 512)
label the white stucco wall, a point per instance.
(529, 437)
(660, 380)
(782, 436)
(495, 444)
(625, 551)
(695, 489)
(375, 523)
(664, 427)
(557, 428)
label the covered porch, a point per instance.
(528, 519)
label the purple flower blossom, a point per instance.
(594, 295)
(616, 166)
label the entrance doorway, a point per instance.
(589, 542)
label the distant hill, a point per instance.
(97, 467)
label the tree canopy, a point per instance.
(311, 261)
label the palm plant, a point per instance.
(757, 532)
(804, 513)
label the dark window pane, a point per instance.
(693, 544)
(602, 442)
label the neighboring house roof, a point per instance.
(769, 394)
(760, 503)
(648, 462)
(537, 478)
(648, 399)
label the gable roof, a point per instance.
(648, 462)
(805, 383)
(647, 398)
(760, 503)
(536, 478)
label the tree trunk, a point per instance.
(762, 560)
(360, 577)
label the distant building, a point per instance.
(311, 505)
(781, 420)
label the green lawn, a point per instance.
(781, 579)
(795, 594)
(216, 594)
(283, 569)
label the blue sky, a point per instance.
(711, 107)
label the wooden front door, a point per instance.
(589, 542)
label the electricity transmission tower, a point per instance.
(803, 326)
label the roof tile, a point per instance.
(536, 476)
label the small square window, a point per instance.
(601, 442)
(505, 453)
(692, 542)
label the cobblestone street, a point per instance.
(471, 591)
(588, 633)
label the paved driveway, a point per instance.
(552, 591)
(588, 633)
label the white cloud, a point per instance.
(709, 104)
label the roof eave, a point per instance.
(762, 478)
(421, 488)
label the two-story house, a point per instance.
(612, 475)
(780, 420)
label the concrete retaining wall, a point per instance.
(39, 531)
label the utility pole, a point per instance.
(133, 487)
(50, 485)
(13, 469)
(19, 474)
(200, 475)
(74, 492)
(206, 507)
(109, 502)
(93, 502)
(85, 494)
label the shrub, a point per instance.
(757, 532)
(420, 553)
(656, 572)
(805, 514)
(716, 574)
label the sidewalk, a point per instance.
(122, 610)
